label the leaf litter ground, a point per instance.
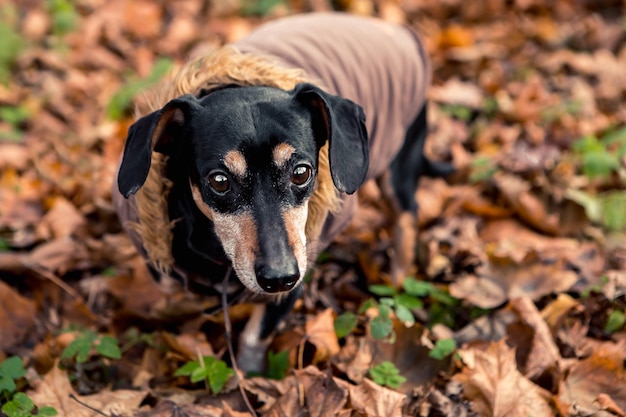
(523, 251)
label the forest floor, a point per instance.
(516, 304)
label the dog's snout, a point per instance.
(277, 279)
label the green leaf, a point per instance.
(588, 144)
(616, 140)
(443, 348)
(405, 315)
(122, 99)
(47, 411)
(258, 7)
(187, 369)
(218, 374)
(14, 115)
(381, 327)
(417, 288)
(24, 401)
(615, 322)
(382, 290)
(367, 304)
(482, 169)
(11, 45)
(386, 374)
(11, 370)
(80, 347)
(443, 297)
(20, 406)
(278, 364)
(198, 374)
(599, 164)
(387, 301)
(64, 16)
(613, 208)
(109, 347)
(345, 323)
(409, 301)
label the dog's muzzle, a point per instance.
(280, 278)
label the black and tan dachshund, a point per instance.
(258, 162)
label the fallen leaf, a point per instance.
(492, 382)
(323, 396)
(320, 331)
(56, 391)
(600, 373)
(17, 315)
(543, 358)
(493, 285)
(386, 401)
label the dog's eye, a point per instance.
(219, 182)
(301, 175)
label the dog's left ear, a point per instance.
(155, 131)
(342, 123)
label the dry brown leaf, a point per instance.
(17, 317)
(355, 358)
(493, 284)
(323, 396)
(142, 19)
(606, 403)
(371, 399)
(320, 331)
(494, 385)
(543, 356)
(525, 204)
(58, 255)
(170, 408)
(55, 390)
(62, 220)
(554, 312)
(600, 373)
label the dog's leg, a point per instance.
(259, 332)
(401, 183)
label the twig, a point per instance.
(95, 410)
(229, 343)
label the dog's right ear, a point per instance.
(155, 132)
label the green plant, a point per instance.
(88, 341)
(64, 16)
(17, 404)
(601, 157)
(22, 406)
(386, 374)
(121, 101)
(134, 337)
(442, 349)
(15, 116)
(458, 111)
(11, 370)
(11, 42)
(214, 372)
(345, 323)
(482, 168)
(258, 8)
(402, 304)
(277, 365)
(615, 322)
(606, 209)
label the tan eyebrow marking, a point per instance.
(236, 163)
(282, 153)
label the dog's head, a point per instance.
(251, 155)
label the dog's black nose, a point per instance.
(274, 280)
